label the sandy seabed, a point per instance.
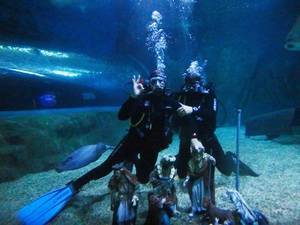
(276, 192)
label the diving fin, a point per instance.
(244, 169)
(45, 208)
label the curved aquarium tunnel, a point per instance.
(66, 67)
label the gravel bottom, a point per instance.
(276, 192)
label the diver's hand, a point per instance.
(184, 110)
(137, 86)
(196, 145)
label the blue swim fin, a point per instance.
(45, 208)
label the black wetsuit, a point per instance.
(203, 120)
(204, 123)
(149, 133)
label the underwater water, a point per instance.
(275, 192)
(66, 67)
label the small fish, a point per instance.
(82, 157)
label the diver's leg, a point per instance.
(146, 163)
(222, 163)
(182, 158)
(121, 152)
(226, 163)
(244, 169)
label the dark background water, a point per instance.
(242, 40)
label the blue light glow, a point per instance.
(54, 54)
(29, 50)
(28, 72)
(65, 73)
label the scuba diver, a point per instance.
(149, 109)
(202, 109)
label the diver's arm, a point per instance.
(182, 111)
(209, 108)
(208, 111)
(132, 103)
(128, 108)
(172, 101)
